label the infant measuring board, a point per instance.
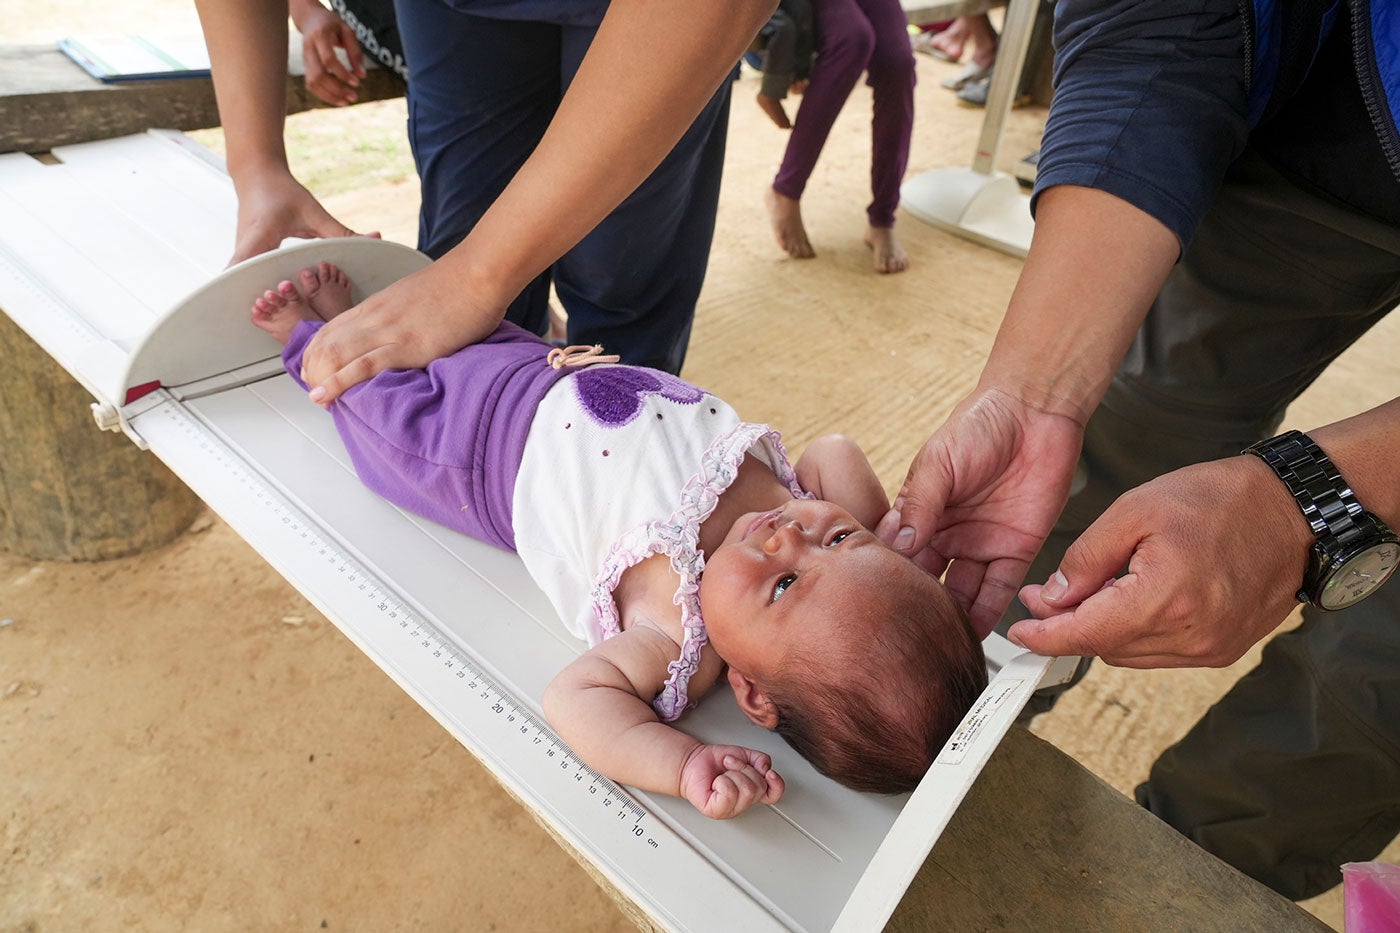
(111, 259)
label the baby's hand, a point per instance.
(722, 781)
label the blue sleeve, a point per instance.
(1149, 103)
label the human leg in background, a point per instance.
(1297, 768)
(852, 35)
(890, 74)
(482, 94)
(632, 283)
(845, 41)
(977, 30)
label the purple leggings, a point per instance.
(855, 36)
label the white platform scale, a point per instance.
(112, 258)
(978, 202)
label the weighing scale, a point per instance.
(111, 258)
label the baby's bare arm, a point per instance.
(833, 467)
(599, 707)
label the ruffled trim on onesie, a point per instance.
(678, 537)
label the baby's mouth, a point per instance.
(760, 521)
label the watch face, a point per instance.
(1358, 577)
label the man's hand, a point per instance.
(981, 496)
(1215, 553)
(722, 781)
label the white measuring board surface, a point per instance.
(456, 622)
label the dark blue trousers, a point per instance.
(481, 94)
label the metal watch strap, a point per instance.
(1323, 496)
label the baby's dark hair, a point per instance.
(875, 719)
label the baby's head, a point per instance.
(858, 657)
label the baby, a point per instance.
(681, 544)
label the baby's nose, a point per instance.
(788, 531)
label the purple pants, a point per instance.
(445, 442)
(855, 36)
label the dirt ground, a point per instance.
(186, 744)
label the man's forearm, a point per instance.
(1095, 265)
(1366, 449)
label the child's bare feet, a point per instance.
(889, 255)
(325, 292)
(786, 216)
(774, 108)
(326, 289)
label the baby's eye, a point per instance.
(782, 585)
(838, 538)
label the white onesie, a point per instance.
(622, 463)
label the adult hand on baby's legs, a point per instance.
(722, 781)
(420, 318)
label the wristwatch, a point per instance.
(1355, 552)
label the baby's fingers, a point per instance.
(750, 783)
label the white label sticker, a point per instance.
(976, 719)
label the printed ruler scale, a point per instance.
(44, 316)
(455, 687)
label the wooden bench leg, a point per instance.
(69, 491)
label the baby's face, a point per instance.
(805, 574)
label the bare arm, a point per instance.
(606, 137)
(247, 42)
(1095, 265)
(1205, 545)
(985, 490)
(833, 467)
(597, 705)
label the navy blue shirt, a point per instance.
(560, 12)
(1152, 105)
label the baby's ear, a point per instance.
(753, 700)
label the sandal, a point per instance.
(923, 42)
(974, 93)
(970, 73)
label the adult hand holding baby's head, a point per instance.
(981, 496)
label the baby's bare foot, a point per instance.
(774, 108)
(279, 311)
(785, 214)
(889, 255)
(326, 289)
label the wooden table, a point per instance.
(46, 100)
(1039, 844)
